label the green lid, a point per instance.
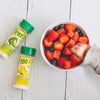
(26, 25)
(28, 51)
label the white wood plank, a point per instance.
(11, 13)
(45, 83)
(83, 84)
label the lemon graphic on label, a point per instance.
(23, 70)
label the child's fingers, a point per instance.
(79, 44)
(80, 49)
(76, 46)
(73, 50)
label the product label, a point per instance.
(13, 41)
(23, 71)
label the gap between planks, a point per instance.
(27, 8)
(69, 19)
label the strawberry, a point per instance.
(47, 43)
(75, 36)
(73, 64)
(61, 31)
(70, 27)
(61, 61)
(83, 39)
(49, 54)
(71, 43)
(70, 33)
(58, 45)
(75, 60)
(67, 64)
(56, 54)
(53, 35)
(63, 38)
(67, 51)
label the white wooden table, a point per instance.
(46, 83)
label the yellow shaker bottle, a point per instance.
(22, 76)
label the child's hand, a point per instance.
(80, 49)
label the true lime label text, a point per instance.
(25, 61)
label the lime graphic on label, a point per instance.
(13, 41)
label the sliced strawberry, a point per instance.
(61, 31)
(53, 35)
(61, 61)
(56, 54)
(70, 27)
(71, 43)
(49, 54)
(67, 64)
(63, 38)
(83, 39)
(58, 45)
(73, 64)
(70, 33)
(75, 36)
(75, 60)
(47, 43)
(67, 51)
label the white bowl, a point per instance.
(42, 46)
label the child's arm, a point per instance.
(91, 55)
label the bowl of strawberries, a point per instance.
(56, 42)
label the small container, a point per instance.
(25, 62)
(16, 38)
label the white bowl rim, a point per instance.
(41, 45)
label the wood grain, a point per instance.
(45, 82)
(11, 13)
(83, 83)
